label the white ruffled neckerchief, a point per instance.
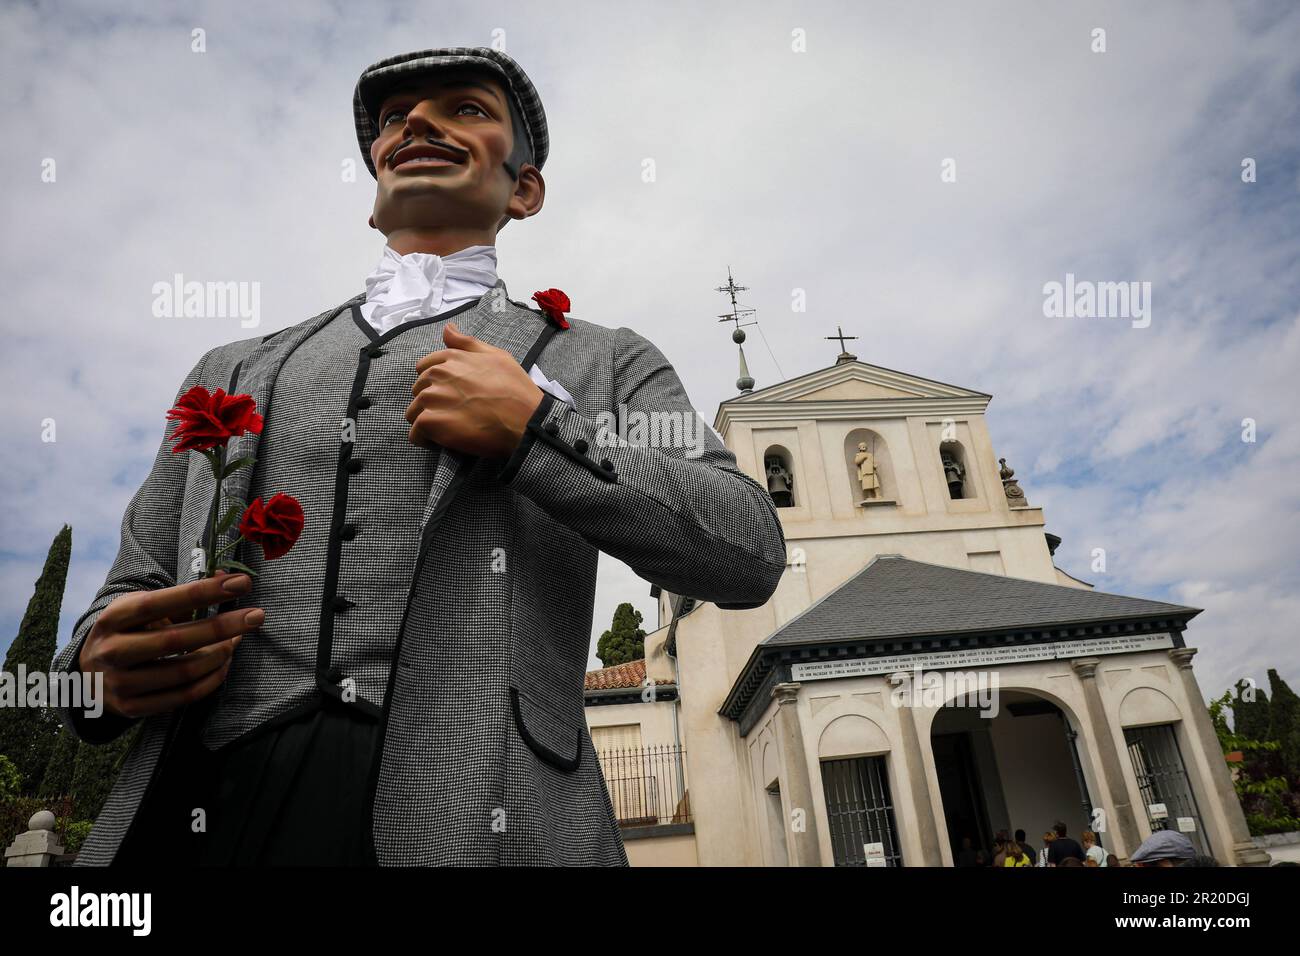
(420, 284)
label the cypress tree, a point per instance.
(1250, 717)
(1284, 723)
(625, 641)
(27, 734)
(57, 781)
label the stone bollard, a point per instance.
(38, 846)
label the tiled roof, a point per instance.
(896, 597)
(618, 677)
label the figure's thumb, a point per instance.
(454, 338)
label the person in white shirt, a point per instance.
(1093, 853)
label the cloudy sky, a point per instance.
(801, 144)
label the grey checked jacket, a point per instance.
(485, 757)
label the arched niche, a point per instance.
(779, 475)
(881, 462)
(1143, 706)
(852, 735)
(957, 467)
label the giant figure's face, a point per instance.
(440, 153)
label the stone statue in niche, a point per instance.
(867, 477)
(1015, 494)
(953, 473)
(780, 483)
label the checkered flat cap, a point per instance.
(380, 77)
(1164, 845)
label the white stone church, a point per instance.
(923, 674)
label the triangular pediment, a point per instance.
(855, 381)
(850, 389)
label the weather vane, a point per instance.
(745, 383)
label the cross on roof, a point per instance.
(841, 337)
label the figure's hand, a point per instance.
(133, 636)
(471, 397)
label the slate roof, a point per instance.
(895, 597)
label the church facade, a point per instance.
(923, 676)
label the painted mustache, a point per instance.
(460, 154)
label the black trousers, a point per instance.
(292, 794)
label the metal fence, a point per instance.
(647, 785)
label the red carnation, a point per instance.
(205, 423)
(275, 525)
(554, 303)
(208, 420)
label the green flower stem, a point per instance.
(215, 457)
(228, 547)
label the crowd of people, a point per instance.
(1162, 848)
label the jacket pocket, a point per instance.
(554, 739)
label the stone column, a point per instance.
(38, 846)
(926, 820)
(1119, 811)
(1199, 725)
(805, 850)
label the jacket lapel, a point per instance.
(494, 319)
(257, 375)
(507, 325)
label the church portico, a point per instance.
(878, 767)
(1041, 703)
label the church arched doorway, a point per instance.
(1021, 769)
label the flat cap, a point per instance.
(1164, 845)
(380, 77)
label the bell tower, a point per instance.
(862, 460)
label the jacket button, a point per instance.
(607, 465)
(580, 445)
(355, 465)
(551, 428)
(348, 531)
(363, 401)
(341, 604)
